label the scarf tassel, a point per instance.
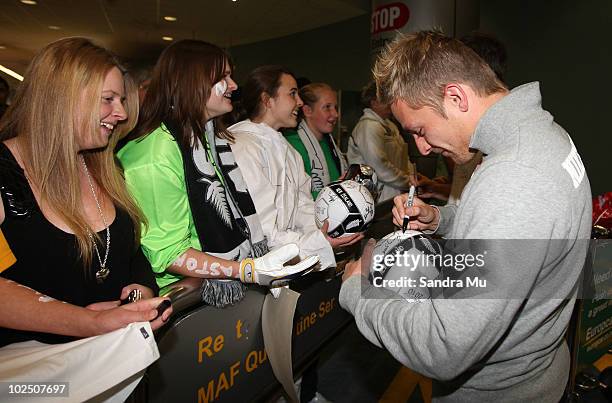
(221, 293)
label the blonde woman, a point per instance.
(65, 211)
(323, 160)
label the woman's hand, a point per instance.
(342, 241)
(108, 316)
(103, 306)
(147, 293)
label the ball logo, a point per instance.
(353, 224)
(347, 206)
(389, 17)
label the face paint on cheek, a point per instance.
(220, 88)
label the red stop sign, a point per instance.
(389, 17)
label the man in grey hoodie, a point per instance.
(505, 344)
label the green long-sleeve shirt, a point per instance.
(153, 168)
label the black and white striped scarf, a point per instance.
(223, 212)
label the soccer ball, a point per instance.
(347, 205)
(364, 175)
(399, 258)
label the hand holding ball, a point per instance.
(348, 206)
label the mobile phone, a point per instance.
(133, 296)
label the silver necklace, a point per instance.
(103, 273)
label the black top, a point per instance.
(48, 258)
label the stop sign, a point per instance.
(389, 17)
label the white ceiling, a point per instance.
(133, 28)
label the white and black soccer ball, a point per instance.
(399, 257)
(347, 205)
(364, 175)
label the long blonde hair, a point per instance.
(58, 101)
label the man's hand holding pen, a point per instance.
(422, 216)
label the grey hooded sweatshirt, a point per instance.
(508, 345)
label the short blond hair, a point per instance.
(417, 67)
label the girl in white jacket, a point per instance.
(274, 171)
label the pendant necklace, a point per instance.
(104, 271)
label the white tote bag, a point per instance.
(103, 368)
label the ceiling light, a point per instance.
(170, 18)
(234, 1)
(54, 27)
(167, 38)
(11, 73)
(29, 2)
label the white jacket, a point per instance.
(280, 189)
(377, 142)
